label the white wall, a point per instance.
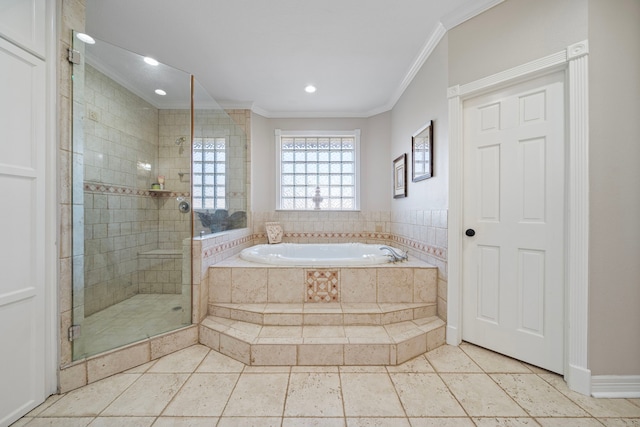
(513, 33)
(614, 276)
(375, 161)
(424, 99)
(518, 31)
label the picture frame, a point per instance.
(422, 153)
(400, 176)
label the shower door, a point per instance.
(132, 221)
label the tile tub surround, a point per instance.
(274, 315)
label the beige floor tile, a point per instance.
(635, 401)
(46, 404)
(505, 422)
(122, 421)
(481, 397)
(441, 422)
(620, 422)
(148, 396)
(314, 395)
(569, 422)
(185, 422)
(417, 364)
(493, 362)
(425, 395)
(537, 397)
(203, 395)
(186, 360)
(218, 362)
(313, 422)
(91, 399)
(595, 407)
(250, 422)
(258, 395)
(449, 358)
(370, 395)
(61, 422)
(378, 422)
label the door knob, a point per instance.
(470, 232)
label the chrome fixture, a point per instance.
(394, 254)
(181, 140)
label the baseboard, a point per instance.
(615, 386)
(452, 335)
(578, 379)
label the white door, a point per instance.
(513, 266)
(22, 248)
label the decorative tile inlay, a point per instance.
(274, 232)
(322, 285)
(114, 189)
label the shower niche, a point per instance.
(136, 123)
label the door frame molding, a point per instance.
(574, 60)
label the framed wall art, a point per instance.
(422, 153)
(400, 176)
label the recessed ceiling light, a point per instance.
(151, 61)
(310, 89)
(85, 38)
(161, 92)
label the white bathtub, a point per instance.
(329, 254)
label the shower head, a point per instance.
(181, 140)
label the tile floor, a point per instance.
(134, 319)
(449, 386)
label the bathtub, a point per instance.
(328, 254)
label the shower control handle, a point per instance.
(184, 206)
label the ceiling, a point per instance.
(260, 54)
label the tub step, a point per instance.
(257, 344)
(324, 314)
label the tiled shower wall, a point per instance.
(127, 144)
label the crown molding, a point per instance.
(467, 12)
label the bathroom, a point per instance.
(155, 238)
(424, 223)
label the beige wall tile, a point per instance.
(278, 355)
(235, 348)
(220, 284)
(117, 361)
(366, 354)
(248, 285)
(320, 355)
(285, 285)
(173, 341)
(358, 285)
(395, 285)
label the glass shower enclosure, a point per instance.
(132, 197)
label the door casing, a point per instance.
(574, 60)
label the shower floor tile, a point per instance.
(139, 317)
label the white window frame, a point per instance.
(279, 133)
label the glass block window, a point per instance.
(209, 167)
(318, 170)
